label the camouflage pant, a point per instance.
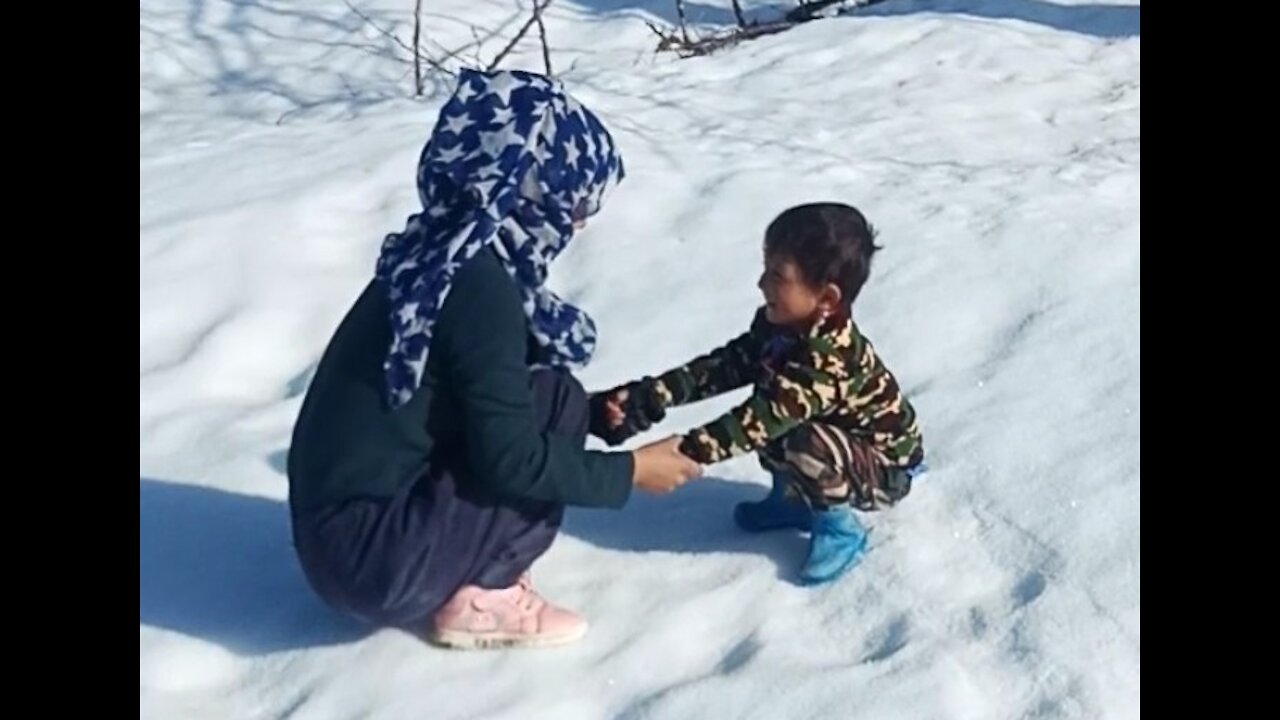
(828, 466)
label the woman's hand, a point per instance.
(660, 467)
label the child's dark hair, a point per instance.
(829, 242)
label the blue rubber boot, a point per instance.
(775, 512)
(838, 543)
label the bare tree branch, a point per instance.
(477, 42)
(684, 21)
(806, 11)
(542, 32)
(537, 14)
(668, 40)
(417, 48)
(685, 46)
(475, 36)
(394, 38)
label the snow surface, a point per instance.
(995, 144)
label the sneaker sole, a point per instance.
(459, 640)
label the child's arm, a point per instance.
(640, 403)
(797, 393)
(719, 371)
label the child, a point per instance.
(826, 415)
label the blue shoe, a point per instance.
(775, 512)
(838, 543)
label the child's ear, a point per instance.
(829, 298)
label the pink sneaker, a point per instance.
(514, 617)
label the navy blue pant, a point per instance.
(394, 561)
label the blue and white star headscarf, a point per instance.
(512, 163)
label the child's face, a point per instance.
(789, 300)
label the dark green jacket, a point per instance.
(474, 411)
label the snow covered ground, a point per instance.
(995, 144)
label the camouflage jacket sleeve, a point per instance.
(807, 386)
(719, 371)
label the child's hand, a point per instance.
(609, 417)
(624, 411)
(614, 415)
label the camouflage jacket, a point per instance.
(831, 374)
